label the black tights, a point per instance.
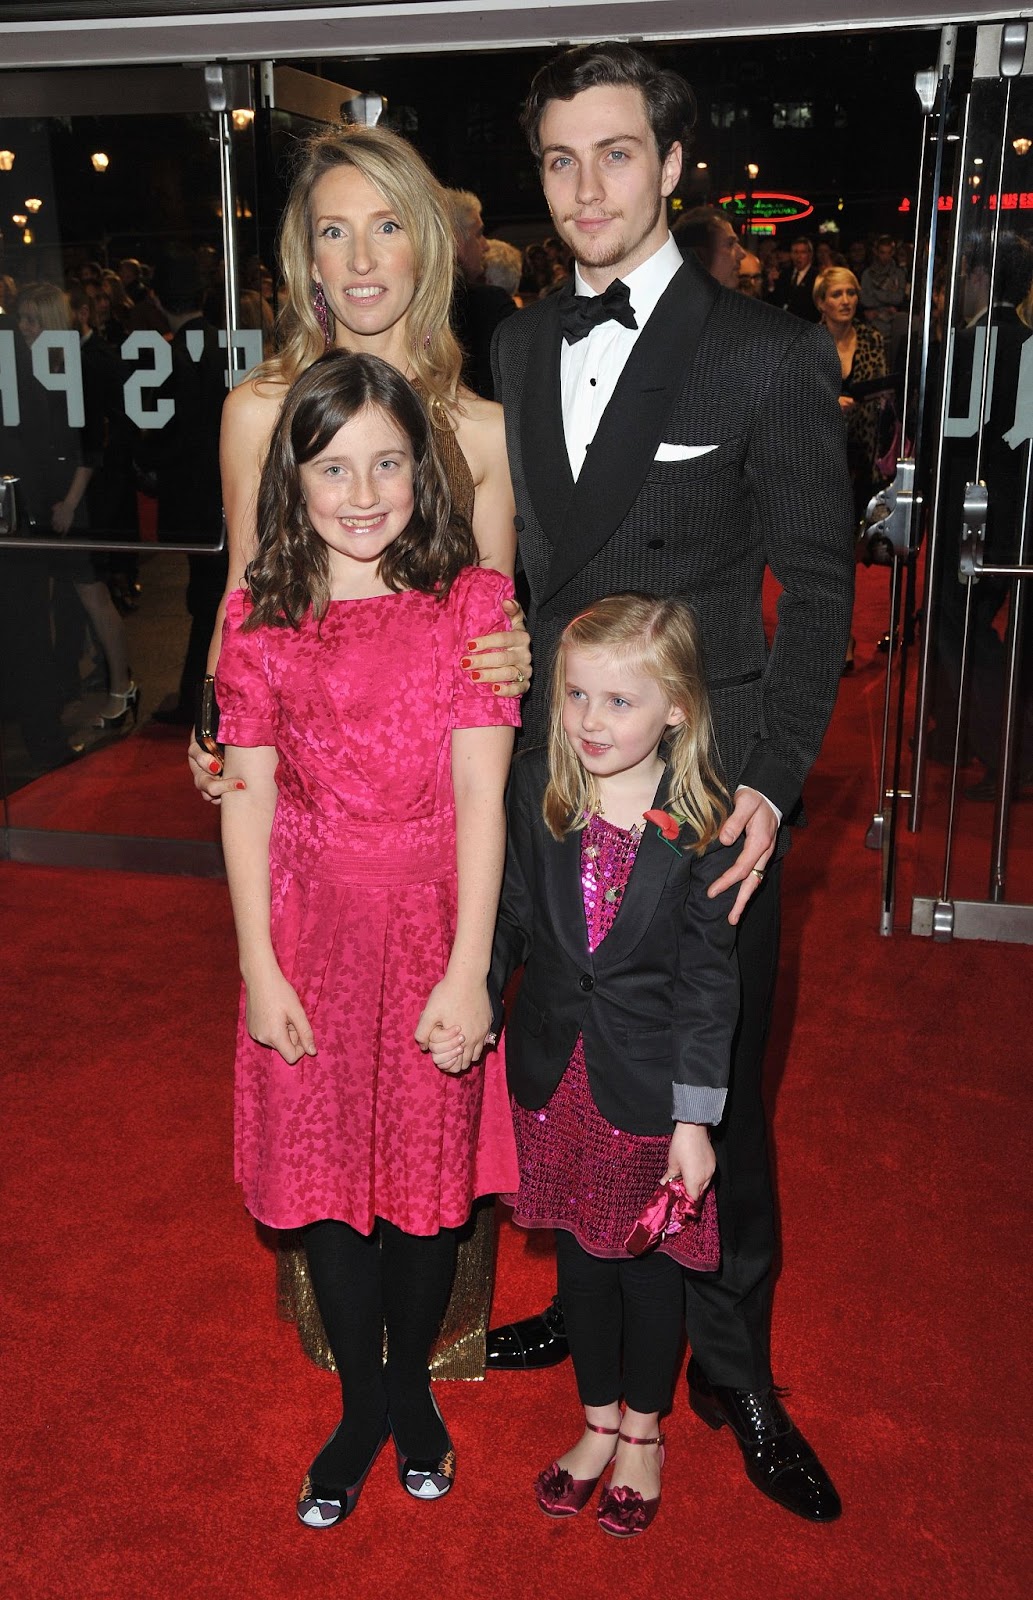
(624, 1324)
(365, 1285)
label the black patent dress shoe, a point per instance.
(535, 1342)
(779, 1461)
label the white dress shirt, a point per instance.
(591, 368)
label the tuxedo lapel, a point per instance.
(654, 861)
(632, 425)
(543, 449)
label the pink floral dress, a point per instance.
(362, 860)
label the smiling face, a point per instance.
(363, 258)
(604, 181)
(358, 492)
(614, 715)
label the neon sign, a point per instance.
(766, 206)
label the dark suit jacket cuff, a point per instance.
(765, 773)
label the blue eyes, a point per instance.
(616, 700)
(615, 157)
(334, 231)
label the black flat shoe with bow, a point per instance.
(778, 1460)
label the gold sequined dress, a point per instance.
(460, 1348)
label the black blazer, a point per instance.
(797, 298)
(711, 368)
(658, 1000)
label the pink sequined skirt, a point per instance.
(579, 1172)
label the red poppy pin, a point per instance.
(668, 826)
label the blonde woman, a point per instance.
(862, 356)
(368, 259)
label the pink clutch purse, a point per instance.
(671, 1212)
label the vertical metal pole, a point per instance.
(227, 181)
(889, 836)
(936, 495)
(1009, 721)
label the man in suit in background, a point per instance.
(671, 436)
(794, 290)
(477, 307)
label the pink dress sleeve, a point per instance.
(247, 710)
(475, 601)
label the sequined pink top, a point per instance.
(577, 1171)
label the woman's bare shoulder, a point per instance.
(480, 429)
(255, 399)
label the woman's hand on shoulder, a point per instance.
(502, 659)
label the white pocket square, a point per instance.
(682, 452)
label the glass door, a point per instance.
(959, 731)
(130, 246)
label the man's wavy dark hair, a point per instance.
(670, 103)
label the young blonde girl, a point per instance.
(619, 1044)
(364, 841)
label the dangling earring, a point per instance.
(322, 312)
(426, 341)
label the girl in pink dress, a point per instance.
(619, 1043)
(364, 850)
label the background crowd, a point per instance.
(114, 480)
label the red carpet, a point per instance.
(157, 1418)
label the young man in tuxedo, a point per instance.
(669, 435)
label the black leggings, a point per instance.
(365, 1286)
(624, 1324)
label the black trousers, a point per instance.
(623, 1322)
(728, 1314)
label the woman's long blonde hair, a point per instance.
(50, 304)
(661, 639)
(401, 175)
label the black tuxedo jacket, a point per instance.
(797, 298)
(760, 390)
(657, 1001)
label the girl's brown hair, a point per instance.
(661, 639)
(291, 570)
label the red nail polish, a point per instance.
(471, 644)
(496, 688)
(240, 784)
(465, 662)
(475, 675)
(215, 766)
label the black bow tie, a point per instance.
(585, 312)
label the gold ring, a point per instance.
(756, 872)
(520, 676)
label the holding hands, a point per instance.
(454, 1044)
